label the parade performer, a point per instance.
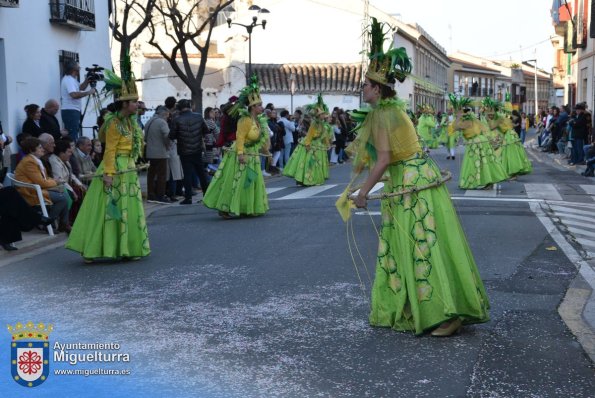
(490, 107)
(480, 169)
(309, 164)
(425, 127)
(238, 189)
(111, 221)
(514, 157)
(448, 126)
(426, 277)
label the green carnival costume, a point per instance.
(239, 188)
(425, 271)
(308, 163)
(481, 168)
(111, 222)
(514, 157)
(425, 128)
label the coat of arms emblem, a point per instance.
(30, 353)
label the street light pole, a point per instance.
(535, 76)
(249, 29)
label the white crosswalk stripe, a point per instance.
(542, 191)
(579, 220)
(590, 189)
(308, 192)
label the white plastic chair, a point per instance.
(37, 189)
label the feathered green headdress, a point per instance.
(491, 104)
(459, 103)
(318, 108)
(248, 96)
(385, 67)
(123, 88)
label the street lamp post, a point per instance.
(249, 29)
(535, 73)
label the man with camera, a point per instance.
(72, 92)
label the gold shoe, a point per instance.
(454, 326)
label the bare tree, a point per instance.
(184, 31)
(136, 15)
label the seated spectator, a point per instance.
(15, 216)
(21, 154)
(49, 122)
(590, 162)
(32, 124)
(48, 143)
(5, 153)
(97, 152)
(60, 161)
(32, 171)
(81, 157)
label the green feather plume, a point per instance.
(243, 100)
(400, 64)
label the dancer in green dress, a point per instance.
(111, 222)
(425, 127)
(238, 185)
(480, 169)
(308, 163)
(426, 277)
(514, 157)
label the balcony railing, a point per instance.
(77, 14)
(9, 3)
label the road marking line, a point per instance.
(481, 193)
(308, 192)
(375, 188)
(577, 224)
(571, 210)
(590, 189)
(581, 232)
(273, 190)
(564, 216)
(542, 191)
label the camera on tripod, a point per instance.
(94, 75)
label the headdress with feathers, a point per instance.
(248, 96)
(459, 103)
(317, 108)
(385, 67)
(122, 88)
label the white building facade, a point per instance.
(36, 38)
(300, 43)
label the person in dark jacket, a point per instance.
(31, 126)
(49, 123)
(189, 129)
(579, 134)
(15, 216)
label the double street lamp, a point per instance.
(249, 29)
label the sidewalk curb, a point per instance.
(577, 308)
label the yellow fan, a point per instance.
(344, 204)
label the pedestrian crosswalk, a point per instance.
(579, 221)
(503, 191)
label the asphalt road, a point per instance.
(272, 306)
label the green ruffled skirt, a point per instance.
(495, 139)
(309, 167)
(238, 188)
(112, 225)
(514, 156)
(480, 165)
(425, 271)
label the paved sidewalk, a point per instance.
(577, 309)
